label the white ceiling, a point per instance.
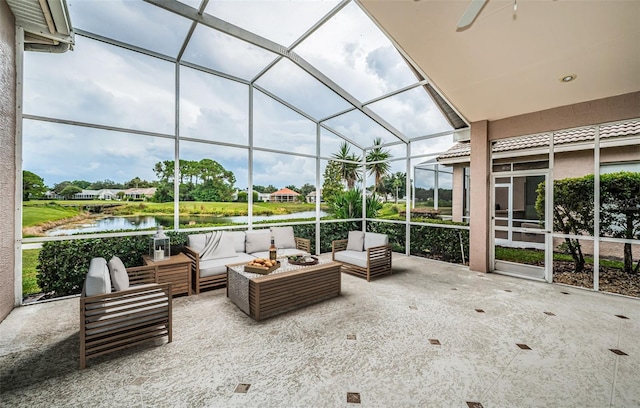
(507, 63)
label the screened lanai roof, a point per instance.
(325, 60)
(225, 78)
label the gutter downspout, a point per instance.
(55, 49)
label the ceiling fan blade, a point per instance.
(471, 13)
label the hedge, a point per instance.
(62, 265)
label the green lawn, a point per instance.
(536, 257)
(38, 214)
(29, 263)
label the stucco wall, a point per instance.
(612, 109)
(7, 158)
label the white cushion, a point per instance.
(373, 239)
(98, 281)
(219, 266)
(119, 275)
(237, 237)
(257, 241)
(220, 246)
(284, 252)
(283, 237)
(358, 258)
(356, 241)
(196, 241)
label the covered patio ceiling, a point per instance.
(511, 62)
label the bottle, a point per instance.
(272, 250)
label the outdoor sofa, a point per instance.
(134, 311)
(211, 252)
(363, 254)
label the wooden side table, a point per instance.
(175, 270)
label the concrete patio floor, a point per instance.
(430, 335)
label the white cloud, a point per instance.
(107, 85)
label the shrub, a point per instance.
(433, 242)
(62, 265)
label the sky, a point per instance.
(105, 85)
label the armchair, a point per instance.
(126, 317)
(363, 254)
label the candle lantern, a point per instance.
(159, 247)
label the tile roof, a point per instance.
(463, 149)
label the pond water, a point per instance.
(150, 222)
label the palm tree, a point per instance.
(377, 163)
(348, 171)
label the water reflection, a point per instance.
(143, 222)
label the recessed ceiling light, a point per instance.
(568, 78)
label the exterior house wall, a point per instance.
(7, 158)
(457, 201)
(616, 108)
(572, 164)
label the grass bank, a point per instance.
(29, 272)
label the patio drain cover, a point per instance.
(619, 352)
(472, 404)
(351, 336)
(353, 397)
(549, 313)
(622, 316)
(479, 310)
(523, 346)
(565, 293)
(242, 388)
(434, 341)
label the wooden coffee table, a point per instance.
(287, 288)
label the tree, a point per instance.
(32, 186)
(106, 183)
(69, 191)
(348, 171)
(204, 180)
(377, 164)
(83, 184)
(348, 204)
(620, 210)
(58, 187)
(332, 185)
(394, 184)
(306, 189)
(572, 211)
(137, 182)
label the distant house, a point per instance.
(260, 196)
(139, 193)
(311, 197)
(284, 195)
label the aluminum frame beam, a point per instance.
(264, 43)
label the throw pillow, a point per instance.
(258, 241)
(283, 237)
(98, 281)
(218, 245)
(356, 241)
(118, 272)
